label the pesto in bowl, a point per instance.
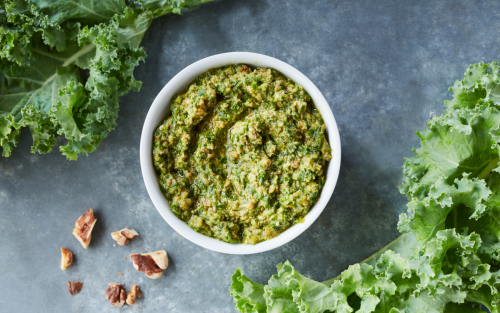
(243, 154)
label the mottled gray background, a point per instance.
(384, 67)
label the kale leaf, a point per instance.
(63, 65)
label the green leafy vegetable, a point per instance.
(448, 256)
(63, 65)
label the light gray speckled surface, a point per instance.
(384, 67)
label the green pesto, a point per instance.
(243, 154)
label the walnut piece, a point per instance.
(133, 293)
(66, 258)
(83, 228)
(115, 294)
(152, 264)
(123, 236)
(74, 287)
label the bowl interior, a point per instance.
(161, 107)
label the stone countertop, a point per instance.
(383, 66)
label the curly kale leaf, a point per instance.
(249, 296)
(63, 65)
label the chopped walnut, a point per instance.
(133, 293)
(66, 258)
(74, 287)
(115, 294)
(152, 264)
(146, 264)
(83, 228)
(123, 236)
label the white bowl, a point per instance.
(159, 110)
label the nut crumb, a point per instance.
(120, 274)
(115, 294)
(152, 264)
(74, 287)
(114, 245)
(66, 258)
(133, 293)
(83, 227)
(123, 236)
(125, 258)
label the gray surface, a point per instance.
(384, 67)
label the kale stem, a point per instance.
(487, 170)
(455, 214)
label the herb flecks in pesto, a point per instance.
(243, 154)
